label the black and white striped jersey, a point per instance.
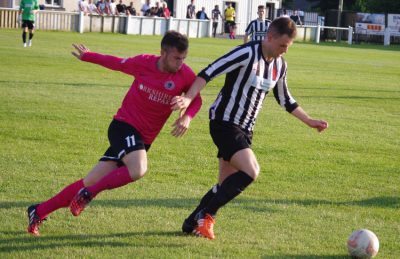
(257, 29)
(249, 78)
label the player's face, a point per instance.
(278, 44)
(261, 13)
(172, 60)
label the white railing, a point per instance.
(56, 21)
(9, 18)
(74, 21)
(315, 33)
(158, 26)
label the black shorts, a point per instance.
(228, 25)
(229, 138)
(28, 23)
(123, 139)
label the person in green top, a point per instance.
(28, 8)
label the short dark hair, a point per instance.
(283, 26)
(174, 39)
(261, 7)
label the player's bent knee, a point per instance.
(137, 172)
(254, 171)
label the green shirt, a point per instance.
(28, 6)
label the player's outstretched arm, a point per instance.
(320, 125)
(182, 102)
(181, 125)
(80, 50)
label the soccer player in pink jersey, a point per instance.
(144, 111)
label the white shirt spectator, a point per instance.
(113, 8)
(82, 6)
(91, 7)
(145, 8)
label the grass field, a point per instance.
(313, 191)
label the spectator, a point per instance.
(230, 15)
(82, 6)
(201, 15)
(130, 10)
(107, 10)
(121, 7)
(112, 7)
(158, 10)
(166, 11)
(215, 14)
(101, 7)
(284, 13)
(153, 11)
(92, 9)
(146, 8)
(296, 18)
(190, 10)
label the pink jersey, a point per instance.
(146, 106)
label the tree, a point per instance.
(366, 6)
(382, 6)
(288, 4)
(323, 5)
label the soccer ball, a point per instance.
(363, 243)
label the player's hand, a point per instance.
(81, 49)
(180, 102)
(180, 126)
(19, 18)
(320, 125)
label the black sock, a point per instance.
(24, 37)
(30, 35)
(229, 189)
(204, 201)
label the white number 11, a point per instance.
(130, 141)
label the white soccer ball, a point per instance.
(363, 243)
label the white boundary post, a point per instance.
(81, 21)
(386, 37)
(127, 24)
(317, 34)
(350, 35)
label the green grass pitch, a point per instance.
(313, 190)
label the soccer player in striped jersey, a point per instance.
(252, 71)
(257, 28)
(144, 111)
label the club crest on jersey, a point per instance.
(169, 85)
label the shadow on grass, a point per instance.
(353, 97)
(363, 45)
(21, 241)
(384, 201)
(248, 203)
(305, 256)
(333, 89)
